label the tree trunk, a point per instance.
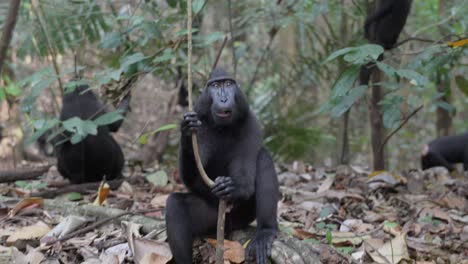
(444, 117)
(376, 122)
(343, 136)
(8, 28)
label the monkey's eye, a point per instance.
(215, 85)
(227, 83)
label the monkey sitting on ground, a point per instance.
(384, 23)
(446, 151)
(232, 154)
(97, 155)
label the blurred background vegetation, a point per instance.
(277, 50)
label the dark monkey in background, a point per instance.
(446, 151)
(384, 23)
(96, 155)
(232, 154)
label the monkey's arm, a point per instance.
(382, 11)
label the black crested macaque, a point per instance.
(445, 152)
(232, 154)
(384, 23)
(97, 155)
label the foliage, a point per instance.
(305, 57)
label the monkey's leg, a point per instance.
(187, 217)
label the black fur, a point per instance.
(384, 23)
(446, 151)
(232, 154)
(95, 156)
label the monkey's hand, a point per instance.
(190, 123)
(261, 244)
(224, 188)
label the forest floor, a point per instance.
(343, 215)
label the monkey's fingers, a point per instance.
(190, 114)
(261, 252)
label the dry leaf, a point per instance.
(66, 226)
(35, 231)
(103, 192)
(391, 252)
(302, 234)
(327, 183)
(35, 257)
(159, 201)
(347, 238)
(151, 252)
(27, 202)
(233, 250)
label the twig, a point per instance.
(219, 54)
(79, 188)
(262, 58)
(231, 29)
(98, 224)
(43, 25)
(400, 126)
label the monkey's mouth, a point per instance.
(224, 114)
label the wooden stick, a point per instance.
(22, 174)
(206, 179)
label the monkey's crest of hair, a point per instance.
(219, 74)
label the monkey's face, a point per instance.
(223, 98)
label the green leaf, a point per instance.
(111, 41)
(391, 111)
(213, 37)
(172, 3)
(30, 99)
(364, 54)
(357, 55)
(320, 225)
(109, 118)
(312, 241)
(74, 196)
(348, 100)
(132, 59)
(22, 184)
(345, 250)
(444, 105)
(325, 212)
(328, 236)
(71, 86)
(390, 225)
(345, 81)
(158, 178)
(387, 69)
(144, 138)
(197, 5)
(80, 128)
(167, 55)
(40, 185)
(13, 90)
(462, 84)
(338, 53)
(42, 126)
(414, 77)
